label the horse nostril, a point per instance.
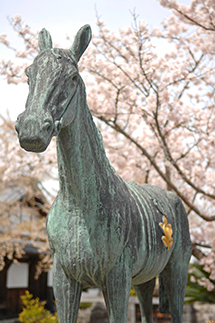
(48, 126)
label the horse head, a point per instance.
(53, 80)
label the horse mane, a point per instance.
(93, 132)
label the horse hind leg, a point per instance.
(172, 286)
(144, 293)
(173, 279)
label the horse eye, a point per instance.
(75, 78)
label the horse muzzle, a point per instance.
(34, 135)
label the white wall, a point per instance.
(17, 275)
(50, 278)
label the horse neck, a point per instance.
(82, 162)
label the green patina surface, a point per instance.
(102, 231)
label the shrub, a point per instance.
(33, 311)
(84, 305)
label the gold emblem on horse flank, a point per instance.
(167, 230)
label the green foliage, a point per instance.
(200, 288)
(84, 305)
(33, 311)
(132, 292)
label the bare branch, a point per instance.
(157, 168)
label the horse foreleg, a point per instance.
(145, 293)
(67, 294)
(116, 291)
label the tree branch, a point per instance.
(194, 21)
(157, 168)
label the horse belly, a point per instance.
(151, 257)
(151, 268)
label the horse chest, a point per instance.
(69, 238)
(81, 247)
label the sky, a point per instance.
(62, 18)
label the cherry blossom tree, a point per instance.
(152, 94)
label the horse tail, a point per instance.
(163, 300)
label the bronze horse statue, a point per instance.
(102, 230)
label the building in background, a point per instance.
(24, 251)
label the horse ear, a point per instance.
(81, 41)
(44, 40)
